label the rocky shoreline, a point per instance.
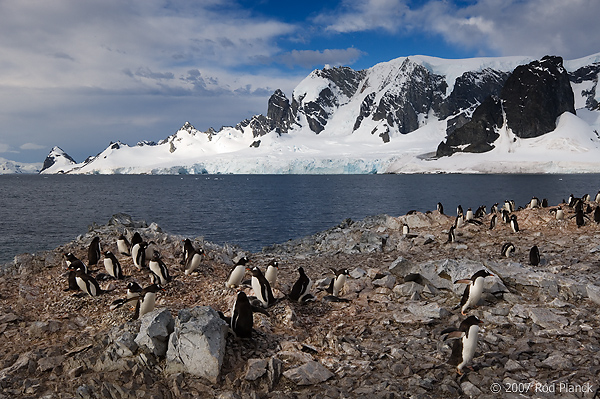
(540, 336)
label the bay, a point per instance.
(253, 211)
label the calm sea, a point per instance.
(252, 211)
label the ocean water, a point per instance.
(253, 211)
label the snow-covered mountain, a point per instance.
(409, 115)
(8, 167)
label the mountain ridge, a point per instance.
(395, 113)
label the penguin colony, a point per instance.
(146, 259)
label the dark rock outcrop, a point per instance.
(53, 157)
(535, 95)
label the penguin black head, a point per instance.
(242, 261)
(481, 273)
(468, 322)
(274, 263)
(155, 255)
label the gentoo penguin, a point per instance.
(150, 248)
(405, 229)
(158, 267)
(508, 206)
(458, 222)
(74, 263)
(191, 256)
(87, 283)
(572, 200)
(469, 214)
(459, 211)
(545, 203)
(505, 216)
(473, 290)
(451, 234)
(271, 273)
(136, 239)
(597, 199)
(534, 203)
(513, 224)
(301, 288)
(112, 265)
(560, 214)
(534, 256)
(440, 208)
(123, 245)
(493, 221)
(261, 287)
(337, 283)
(494, 208)
(94, 251)
(463, 349)
(579, 216)
(507, 249)
(597, 214)
(480, 212)
(133, 289)
(138, 253)
(585, 197)
(237, 273)
(242, 319)
(145, 300)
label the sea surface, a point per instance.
(253, 211)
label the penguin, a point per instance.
(112, 265)
(480, 212)
(133, 289)
(597, 199)
(505, 216)
(138, 253)
(579, 216)
(150, 248)
(158, 267)
(507, 249)
(585, 197)
(145, 300)
(242, 318)
(261, 287)
(301, 288)
(136, 239)
(534, 203)
(493, 222)
(123, 245)
(440, 208)
(545, 203)
(337, 283)
(458, 222)
(405, 229)
(508, 206)
(94, 251)
(494, 208)
(473, 290)
(87, 283)
(560, 214)
(513, 224)
(597, 214)
(191, 256)
(73, 262)
(451, 234)
(237, 273)
(463, 349)
(534, 256)
(469, 214)
(459, 211)
(572, 200)
(271, 273)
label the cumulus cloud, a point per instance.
(358, 16)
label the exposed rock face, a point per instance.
(535, 95)
(279, 112)
(59, 157)
(588, 73)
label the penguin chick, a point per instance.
(473, 290)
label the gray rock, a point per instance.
(593, 292)
(387, 281)
(546, 318)
(126, 345)
(430, 310)
(470, 390)
(408, 289)
(309, 373)
(357, 273)
(256, 369)
(197, 344)
(154, 331)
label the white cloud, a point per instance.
(357, 16)
(32, 146)
(312, 58)
(4, 147)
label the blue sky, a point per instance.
(81, 74)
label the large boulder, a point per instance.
(154, 331)
(197, 344)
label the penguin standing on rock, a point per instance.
(534, 256)
(597, 214)
(87, 283)
(123, 245)
(191, 257)
(440, 208)
(513, 224)
(463, 349)
(301, 288)
(337, 283)
(72, 265)
(451, 234)
(473, 290)
(112, 265)
(159, 269)
(138, 253)
(262, 288)
(145, 300)
(493, 222)
(237, 273)
(94, 251)
(271, 273)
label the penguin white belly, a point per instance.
(110, 267)
(134, 255)
(307, 290)
(236, 277)
(83, 285)
(560, 214)
(474, 293)
(257, 288)
(271, 275)
(469, 346)
(147, 303)
(338, 284)
(156, 269)
(194, 263)
(122, 247)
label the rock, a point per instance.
(309, 373)
(544, 317)
(428, 311)
(126, 345)
(387, 281)
(197, 344)
(154, 331)
(593, 292)
(256, 369)
(470, 390)
(408, 289)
